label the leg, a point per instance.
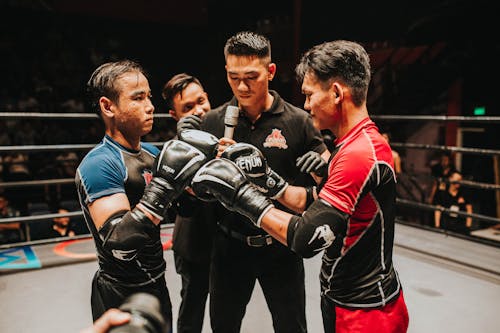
(194, 294)
(231, 284)
(328, 314)
(281, 277)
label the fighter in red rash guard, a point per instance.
(361, 183)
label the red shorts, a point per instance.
(392, 318)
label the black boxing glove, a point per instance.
(223, 180)
(188, 122)
(173, 170)
(251, 160)
(312, 162)
(204, 141)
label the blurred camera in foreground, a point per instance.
(146, 315)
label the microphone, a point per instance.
(231, 120)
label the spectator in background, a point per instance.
(9, 232)
(439, 171)
(395, 155)
(16, 169)
(61, 226)
(454, 200)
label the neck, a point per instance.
(129, 143)
(349, 118)
(254, 112)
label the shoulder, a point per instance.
(103, 157)
(150, 148)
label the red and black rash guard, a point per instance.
(353, 221)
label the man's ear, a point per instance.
(106, 106)
(173, 114)
(271, 68)
(337, 91)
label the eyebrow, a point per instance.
(245, 73)
(140, 92)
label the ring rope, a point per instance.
(41, 217)
(82, 115)
(415, 204)
(62, 239)
(77, 115)
(37, 182)
(446, 148)
(437, 118)
(39, 148)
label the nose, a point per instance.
(242, 86)
(150, 108)
(307, 106)
(199, 111)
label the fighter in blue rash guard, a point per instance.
(125, 187)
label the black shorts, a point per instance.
(108, 294)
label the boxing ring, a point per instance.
(451, 283)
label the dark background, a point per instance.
(168, 37)
(426, 55)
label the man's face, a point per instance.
(249, 78)
(320, 102)
(192, 100)
(62, 221)
(134, 111)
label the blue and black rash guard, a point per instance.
(107, 169)
(353, 222)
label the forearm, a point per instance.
(297, 198)
(468, 221)
(153, 218)
(294, 198)
(437, 218)
(275, 223)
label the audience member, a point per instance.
(453, 199)
(9, 232)
(441, 170)
(61, 226)
(395, 154)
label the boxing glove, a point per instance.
(188, 122)
(173, 170)
(223, 180)
(312, 162)
(204, 141)
(251, 160)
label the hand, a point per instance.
(223, 180)
(188, 122)
(204, 141)
(223, 144)
(251, 160)
(110, 318)
(174, 168)
(312, 162)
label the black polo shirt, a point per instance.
(283, 133)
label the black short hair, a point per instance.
(248, 43)
(176, 85)
(102, 81)
(341, 60)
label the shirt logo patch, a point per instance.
(275, 139)
(148, 176)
